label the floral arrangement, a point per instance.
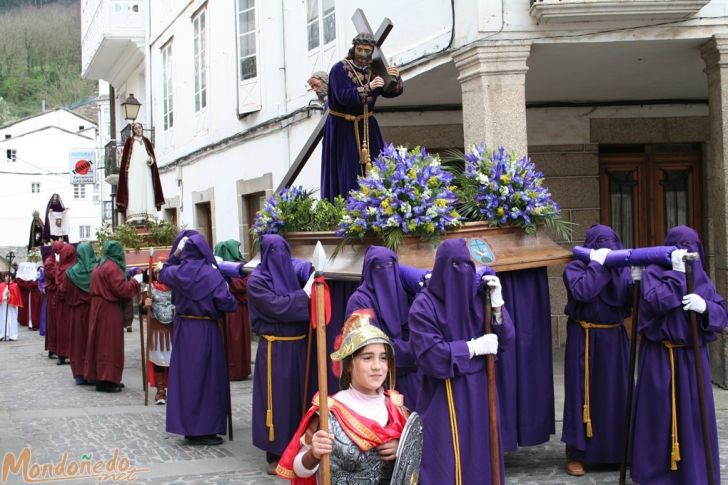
(498, 187)
(296, 209)
(405, 192)
(34, 255)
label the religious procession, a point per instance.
(459, 257)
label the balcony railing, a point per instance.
(112, 157)
(545, 11)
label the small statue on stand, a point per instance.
(36, 232)
(56, 225)
(139, 194)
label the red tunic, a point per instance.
(237, 326)
(63, 310)
(105, 345)
(29, 315)
(49, 266)
(78, 302)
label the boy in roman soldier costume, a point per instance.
(158, 299)
(366, 418)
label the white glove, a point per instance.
(487, 344)
(694, 302)
(139, 278)
(158, 266)
(599, 255)
(678, 263)
(496, 291)
(427, 279)
(308, 285)
(57, 257)
(218, 260)
(637, 272)
(182, 243)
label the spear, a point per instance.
(319, 257)
(630, 385)
(492, 396)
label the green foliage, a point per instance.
(126, 235)
(40, 57)
(161, 233)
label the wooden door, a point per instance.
(647, 189)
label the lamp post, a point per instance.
(131, 108)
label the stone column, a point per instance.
(715, 55)
(493, 83)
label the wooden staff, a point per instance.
(492, 397)
(630, 387)
(690, 259)
(322, 374)
(145, 384)
(306, 377)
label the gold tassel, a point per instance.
(675, 456)
(269, 424)
(587, 420)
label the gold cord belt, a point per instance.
(675, 453)
(365, 158)
(196, 317)
(587, 398)
(454, 431)
(269, 412)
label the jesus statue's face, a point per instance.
(138, 129)
(363, 54)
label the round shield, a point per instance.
(409, 453)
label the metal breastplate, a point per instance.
(162, 307)
(351, 466)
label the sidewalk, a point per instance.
(41, 408)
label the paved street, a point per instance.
(41, 408)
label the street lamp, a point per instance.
(131, 108)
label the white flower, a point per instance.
(371, 211)
(504, 190)
(391, 222)
(431, 211)
(482, 178)
(435, 161)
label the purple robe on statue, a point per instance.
(382, 290)
(662, 319)
(602, 296)
(197, 397)
(442, 319)
(279, 308)
(340, 157)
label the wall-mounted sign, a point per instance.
(82, 166)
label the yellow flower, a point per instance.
(500, 211)
(412, 173)
(430, 227)
(388, 211)
(411, 225)
(432, 182)
(441, 203)
(505, 178)
(385, 203)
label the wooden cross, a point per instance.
(379, 67)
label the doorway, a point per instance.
(204, 221)
(647, 189)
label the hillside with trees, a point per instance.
(40, 56)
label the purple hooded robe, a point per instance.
(602, 296)
(197, 398)
(383, 290)
(442, 319)
(663, 319)
(278, 307)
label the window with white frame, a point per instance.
(167, 86)
(84, 232)
(246, 40)
(321, 22)
(35, 187)
(11, 155)
(199, 41)
(79, 191)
